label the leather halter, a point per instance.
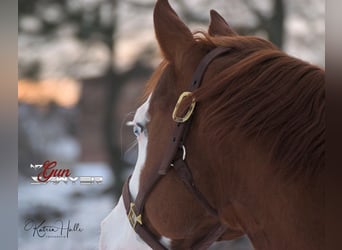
(135, 208)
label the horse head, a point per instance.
(215, 138)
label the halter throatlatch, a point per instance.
(134, 209)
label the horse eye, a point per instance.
(138, 129)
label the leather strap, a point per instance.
(182, 170)
(185, 175)
(142, 231)
(179, 128)
(214, 234)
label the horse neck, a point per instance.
(290, 218)
(277, 213)
(251, 197)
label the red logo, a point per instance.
(50, 174)
(49, 171)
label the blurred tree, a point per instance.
(90, 21)
(272, 24)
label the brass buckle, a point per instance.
(132, 216)
(188, 113)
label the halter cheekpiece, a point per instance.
(134, 209)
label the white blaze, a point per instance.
(116, 232)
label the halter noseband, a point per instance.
(135, 208)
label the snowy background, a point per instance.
(82, 68)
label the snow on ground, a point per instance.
(84, 204)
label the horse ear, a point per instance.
(218, 26)
(173, 35)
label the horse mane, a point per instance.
(263, 94)
(275, 99)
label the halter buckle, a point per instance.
(190, 109)
(132, 216)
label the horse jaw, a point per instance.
(116, 232)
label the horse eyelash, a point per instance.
(138, 124)
(138, 129)
(141, 126)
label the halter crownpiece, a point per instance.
(134, 209)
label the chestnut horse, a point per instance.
(254, 146)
